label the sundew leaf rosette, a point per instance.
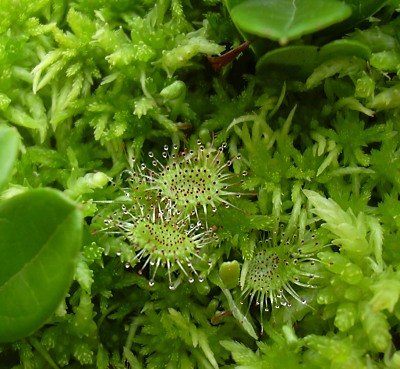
(161, 238)
(193, 179)
(163, 213)
(280, 265)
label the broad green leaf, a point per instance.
(9, 144)
(259, 46)
(361, 10)
(342, 48)
(40, 237)
(284, 20)
(292, 61)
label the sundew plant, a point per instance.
(199, 184)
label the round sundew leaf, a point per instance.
(293, 61)
(284, 20)
(9, 144)
(341, 48)
(40, 237)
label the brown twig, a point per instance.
(218, 62)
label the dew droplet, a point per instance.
(119, 253)
(127, 265)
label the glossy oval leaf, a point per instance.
(40, 237)
(9, 145)
(361, 10)
(293, 61)
(343, 48)
(284, 20)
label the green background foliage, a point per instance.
(40, 239)
(88, 88)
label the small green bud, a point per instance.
(87, 183)
(229, 273)
(4, 102)
(386, 60)
(386, 292)
(329, 312)
(92, 252)
(82, 324)
(84, 275)
(376, 327)
(353, 293)
(142, 106)
(175, 90)
(394, 362)
(83, 353)
(365, 87)
(326, 296)
(345, 316)
(352, 274)
(50, 337)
